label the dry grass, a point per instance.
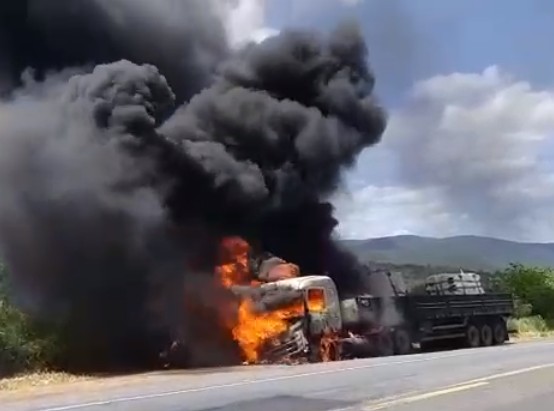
(38, 379)
(531, 328)
(529, 336)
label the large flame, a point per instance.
(234, 269)
(253, 329)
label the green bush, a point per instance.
(24, 345)
(533, 288)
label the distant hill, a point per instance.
(471, 252)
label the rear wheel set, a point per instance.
(473, 336)
(500, 332)
(485, 334)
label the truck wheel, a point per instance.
(500, 332)
(402, 342)
(314, 354)
(473, 336)
(334, 352)
(385, 345)
(486, 335)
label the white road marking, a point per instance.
(420, 358)
(421, 397)
(463, 386)
(511, 373)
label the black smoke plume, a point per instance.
(184, 39)
(125, 157)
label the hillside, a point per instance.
(471, 252)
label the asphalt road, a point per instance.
(508, 378)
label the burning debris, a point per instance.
(126, 156)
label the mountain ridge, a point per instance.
(471, 251)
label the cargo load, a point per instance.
(454, 284)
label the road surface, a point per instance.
(512, 377)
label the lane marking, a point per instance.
(451, 389)
(422, 397)
(423, 358)
(511, 373)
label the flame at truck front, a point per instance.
(252, 328)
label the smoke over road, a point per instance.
(139, 139)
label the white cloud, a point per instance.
(245, 20)
(471, 151)
(380, 211)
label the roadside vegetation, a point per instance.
(533, 289)
(25, 345)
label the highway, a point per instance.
(513, 377)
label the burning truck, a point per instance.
(127, 155)
(284, 317)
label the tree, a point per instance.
(533, 288)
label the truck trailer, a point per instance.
(397, 324)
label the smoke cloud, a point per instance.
(133, 139)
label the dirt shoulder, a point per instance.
(38, 380)
(532, 336)
(45, 384)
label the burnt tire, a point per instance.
(473, 336)
(314, 355)
(499, 332)
(384, 345)
(335, 351)
(402, 342)
(486, 335)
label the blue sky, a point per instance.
(428, 37)
(469, 88)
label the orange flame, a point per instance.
(329, 347)
(252, 329)
(234, 269)
(316, 300)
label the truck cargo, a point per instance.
(331, 328)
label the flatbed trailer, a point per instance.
(428, 320)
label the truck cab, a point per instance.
(321, 301)
(322, 316)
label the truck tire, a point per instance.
(486, 335)
(314, 355)
(499, 332)
(384, 346)
(473, 336)
(335, 352)
(402, 342)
